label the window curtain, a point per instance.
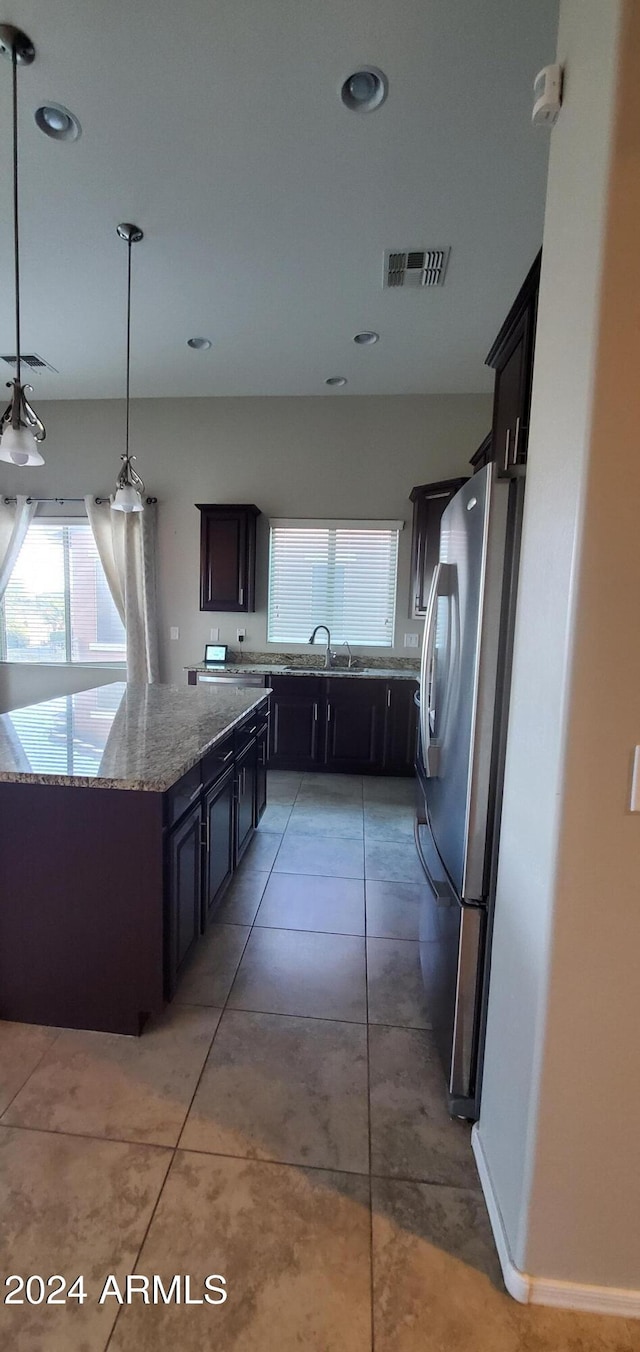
(15, 519)
(126, 543)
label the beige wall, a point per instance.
(561, 1100)
(326, 457)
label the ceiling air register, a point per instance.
(415, 268)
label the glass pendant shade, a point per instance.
(19, 447)
(127, 499)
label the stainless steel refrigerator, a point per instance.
(464, 683)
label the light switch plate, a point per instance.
(214, 634)
(174, 632)
(412, 640)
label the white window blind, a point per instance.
(342, 574)
(57, 606)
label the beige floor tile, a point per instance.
(437, 1284)
(21, 1047)
(394, 979)
(412, 1135)
(311, 902)
(242, 899)
(131, 1089)
(286, 1089)
(210, 975)
(293, 1245)
(320, 976)
(72, 1206)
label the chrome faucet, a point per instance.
(328, 657)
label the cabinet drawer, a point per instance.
(217, 760)
(182, 795)
(249, 730)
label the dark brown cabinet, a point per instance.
(227, 556)
(429, 502)
(218, 805)
(262, 757)
(245, 798)
(350, 725)
(401, 728)
(184, 893)
(511, 356)
(295, 722)
(354, 724)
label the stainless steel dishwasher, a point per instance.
(230, 678)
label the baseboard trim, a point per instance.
(528, 1289)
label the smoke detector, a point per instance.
(415, 268)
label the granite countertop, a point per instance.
(119, 736)
(278, 669)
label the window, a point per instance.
(339, 573)
(57, 606)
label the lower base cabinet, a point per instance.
(219, 803)
(343, 725)
(183, 899)
(211, 816)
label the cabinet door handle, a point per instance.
(328, 713)
(516, 439)
(241, 596)
(388, 697)
(194, 795)
(228, 756)
(506, 448)
(315, 712)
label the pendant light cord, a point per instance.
(16, 229)
(126, 440)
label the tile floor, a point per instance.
(282, 1125)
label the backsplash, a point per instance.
(313, 660)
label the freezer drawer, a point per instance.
(452, 941)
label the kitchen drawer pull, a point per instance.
(228, 755)
(194, 795)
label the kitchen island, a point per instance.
(124, 811)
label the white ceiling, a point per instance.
(216, 125)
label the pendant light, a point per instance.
(21, 430)
(129, 485)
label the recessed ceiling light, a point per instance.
(57, 122)
(199, 344)
(336, 380)
(364, 90)
(367, 338)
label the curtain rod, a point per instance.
(62, 501)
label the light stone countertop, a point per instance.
(119, 736)
(276, 669)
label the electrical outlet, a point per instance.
(214, 634)
(241, 635)
(412, 640)
(174, 632)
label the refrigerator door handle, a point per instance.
(428, 752)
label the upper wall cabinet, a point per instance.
(429, 502)
(512, 359)
(227, 555)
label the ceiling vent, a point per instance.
(30, 359)
(415, 268)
